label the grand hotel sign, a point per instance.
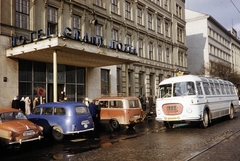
(75, 35)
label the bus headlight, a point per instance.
(189, 110)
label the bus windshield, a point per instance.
(179, 89)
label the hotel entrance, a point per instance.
(60, 89)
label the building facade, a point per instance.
(208, 41)
(83, 49)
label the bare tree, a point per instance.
(222, 70)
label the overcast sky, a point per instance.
(226, 12)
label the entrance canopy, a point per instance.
(70, 52)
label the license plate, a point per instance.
(172, 118)
(28, 133)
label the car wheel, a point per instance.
(57, 133)
(205, 120)
(168, 124)
(231, 114)
(114, 124)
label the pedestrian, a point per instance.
(35, 102)
(150, 101)
(22, 105)
(94, 113)
(144, 102)
(16, 102)
(27, 105)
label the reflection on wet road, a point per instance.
(47, 149)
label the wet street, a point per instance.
(146, 141)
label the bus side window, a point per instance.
(212, 87)
(206, 88)
(199, 89)
(217, 88)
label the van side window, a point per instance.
(103, 104)
(59, 111)
(36, 111)
(47, 111)
(133, 103)
(116, 104)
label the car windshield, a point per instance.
(9, 116)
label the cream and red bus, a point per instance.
(191, 98)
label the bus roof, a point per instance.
(193, 78)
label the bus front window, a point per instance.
(165, 90)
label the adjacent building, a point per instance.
(208, 41)
(83, 49)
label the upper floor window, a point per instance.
(140, 47)
(105, 83)
(52, 20)
(76, 22)
(167, 56)
(150, 51)
(128, 10)
(159, 28)
(179, 34)
(99, 3)
(139, 16)
(115, 6)
(22, 14)
(178, 11)
(167, 29)
(99, 30)
(115, 35)
(159, 53)
(128, 39)
(158, 2)
(149, 21)
(166, 4)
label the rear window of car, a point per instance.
(133, 103)
(9, 116)
(47, 111)
(59, 111)
(81, 110)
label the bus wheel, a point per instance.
(205, 120)
(168, 125)
(231, 114)
(114, 124)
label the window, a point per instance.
(115, 6)
(22, 14)
(166, 5)
(36, 111)
(115, 35)
(99, 30)
(178, 11)
(167, 56)
(128, 10)
(159, 53)
(59, 111)
(167, 29)
(180, 58)
(105, 84)
(150, 51)
(199, 89)
(159, 29)
(99, 3)
(151, 84)
(130, 83)
(81, 110)
(139, 16)
(179, 34)
(116, 104)
(206, 88)
(140, 47)
(128, 40)
(149, 21)
(76, 22)
(52, 20)
(133, 103)
(47, 111)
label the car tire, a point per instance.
(231, 113)
(57, 133)
(205, 121)
(114, 124)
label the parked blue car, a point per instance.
(62, 118)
